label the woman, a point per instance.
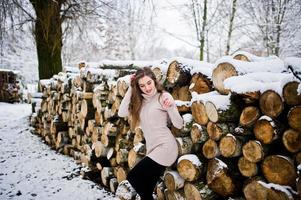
(151, 108)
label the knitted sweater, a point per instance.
(161, 145)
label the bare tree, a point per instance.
(273, 19)
(200, 23)
(231, 24)
(48, 17)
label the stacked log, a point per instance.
(10, 86)
(235, 143)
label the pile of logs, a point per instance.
(10, 86)
(241, 136)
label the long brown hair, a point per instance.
(137, 98)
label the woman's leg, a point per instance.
(144, 176)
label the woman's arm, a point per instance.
(169, 105)
(124, 105)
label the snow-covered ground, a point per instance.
(29, 169)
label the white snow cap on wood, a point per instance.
(9, 70)
(192, 158)
(138, 146)
(45, 82)
(220, 166)
(195, 66)
(125, 190)
(187, 118)
(221, 102)
(252, 57)
(286, 189)
(182, 103)
(108, 73)
(243, 67)
(258, 81)
(126, 79)
(68, 69)
(126, 63)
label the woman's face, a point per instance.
(146, 85)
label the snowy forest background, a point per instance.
(154, 29)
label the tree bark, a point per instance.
(48, 36)
(231, 26)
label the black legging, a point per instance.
(144, 176)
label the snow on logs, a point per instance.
(242, 125)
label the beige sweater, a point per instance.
(161, 145)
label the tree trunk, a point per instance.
(231, 26)
(202, 37)
(48, 37)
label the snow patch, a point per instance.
(192, 158)
(221, 102)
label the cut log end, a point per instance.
(253, 151)
(279, 170)
(271, 103)
(220, 73)
(247, 168)
(292, 140)
(249, 116)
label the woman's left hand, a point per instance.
(167, 101)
